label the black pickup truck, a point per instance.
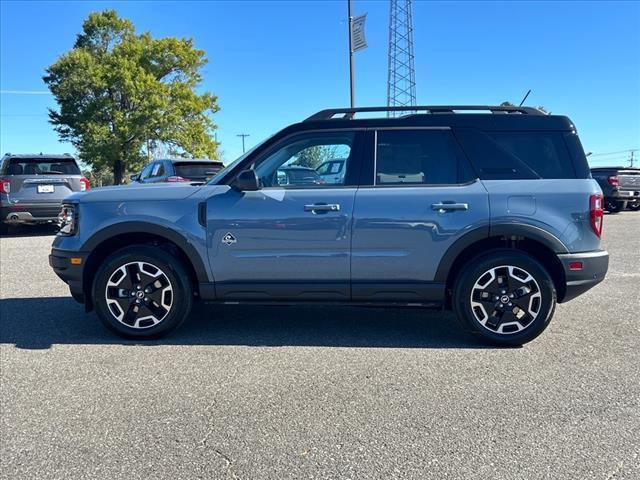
(620, 187)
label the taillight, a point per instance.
(5, 185)
(176, 178)
(613, 180)
(596, 213)
(84, 184)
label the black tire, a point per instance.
(4, 229)
(504, 328)
(167, 307)
(613, 206)
(634, 206)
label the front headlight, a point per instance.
(68, 219)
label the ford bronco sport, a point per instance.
(489, 211)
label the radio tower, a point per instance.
(401, 84)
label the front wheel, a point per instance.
(142, 292)
(505, 297)
(634, 206)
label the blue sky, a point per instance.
(273, 63)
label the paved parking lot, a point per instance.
(292, 392)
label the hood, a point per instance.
(133, 193)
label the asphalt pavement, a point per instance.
(322, 392)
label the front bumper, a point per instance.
(70, 273)
(594, 268)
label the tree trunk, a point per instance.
(118, 172)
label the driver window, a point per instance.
(295, 163)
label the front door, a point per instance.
(290, 240)
(419, 195)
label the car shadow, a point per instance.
(39, 323)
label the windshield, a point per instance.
(238, 160)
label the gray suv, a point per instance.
(32, 187)
(489, 211)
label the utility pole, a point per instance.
(631, 159)
(243, 136)
(351, 86)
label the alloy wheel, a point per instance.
(506, 299)
(139, 295)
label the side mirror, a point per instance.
(246, 181)
(135, 177)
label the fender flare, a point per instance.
(522, 230)
(154, 229)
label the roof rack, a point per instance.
(349, 113)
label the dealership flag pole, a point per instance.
(356, 42)
(351, 93)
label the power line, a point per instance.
(628, 150)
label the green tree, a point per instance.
(312, 157)
(120, 93)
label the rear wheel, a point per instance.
(505, 297)
(142, 292)
(634, 206)
(613, 206)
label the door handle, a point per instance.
(443, 207)
(322, 207)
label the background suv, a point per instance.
(620, 187)
(492, 214)
(191, 170)
(32, 187)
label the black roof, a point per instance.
(484, 117)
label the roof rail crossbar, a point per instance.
(349, 113)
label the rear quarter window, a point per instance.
(544, 152)
(518, 154)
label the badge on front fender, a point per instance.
(229, 239)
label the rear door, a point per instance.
(41, 180)
(418, 195)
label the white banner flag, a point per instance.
(358, 41)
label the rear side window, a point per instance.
(42, 166)
(420, 157)
(517, 155)
(544, 152)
